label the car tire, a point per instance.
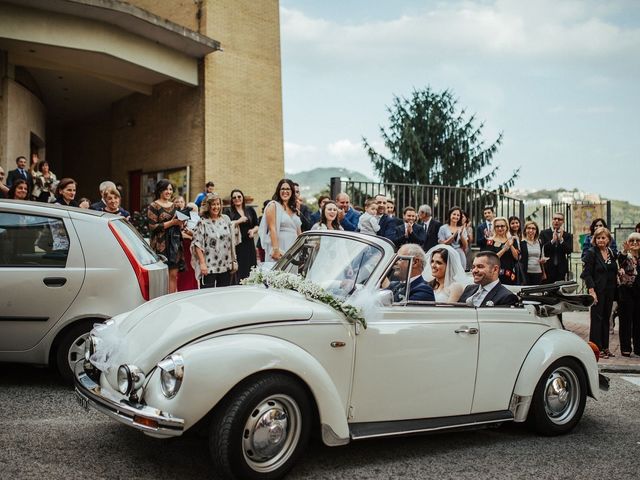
(261, 429)
(559, 398)
(71, 348)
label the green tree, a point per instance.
(433, 142)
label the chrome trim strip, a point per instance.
(450, 426)
(90, 394)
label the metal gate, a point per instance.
(441, 198)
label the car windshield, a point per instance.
(338, 264)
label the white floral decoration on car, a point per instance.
(290, 281)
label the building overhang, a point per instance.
(106, 39)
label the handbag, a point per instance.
(521, 275)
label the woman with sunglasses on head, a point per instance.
(504, 245)
(246, 219)
(629, 295)
(281, 224)
(586, 245)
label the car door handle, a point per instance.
(471, 331)
(54, 281)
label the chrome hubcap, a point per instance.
(562, 395)
(76, 350)
(271, 433)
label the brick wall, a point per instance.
(243, 101)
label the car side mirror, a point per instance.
(385, 297)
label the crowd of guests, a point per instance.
(38, 183)
(207, 245)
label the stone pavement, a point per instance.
(578, 323)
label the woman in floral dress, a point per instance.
(212, 249)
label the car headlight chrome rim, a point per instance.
(130, 378)
(171, 374)
(90, 347)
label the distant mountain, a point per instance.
(313, 182)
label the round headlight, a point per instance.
(124, 380)
(171, 374)
(130, 378)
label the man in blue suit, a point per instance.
(347, 216)
(419, 289)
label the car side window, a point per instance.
(32, 241)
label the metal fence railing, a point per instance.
(441, 198)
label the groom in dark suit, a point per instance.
(487, 290)
(419, 289)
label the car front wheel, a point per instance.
(261, 429)
(559, 398)
(70, 349)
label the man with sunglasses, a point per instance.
(557, 245)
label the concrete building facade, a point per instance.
(146, 89)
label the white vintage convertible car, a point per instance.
(317, 344)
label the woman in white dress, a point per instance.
(445, 273)
(454, 234)
(281, 224)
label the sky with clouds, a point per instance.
(560, 79)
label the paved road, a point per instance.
(46, 435)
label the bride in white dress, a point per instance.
(445, 273)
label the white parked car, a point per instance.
(261, 366)
(62, 269)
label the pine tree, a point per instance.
(433, 143)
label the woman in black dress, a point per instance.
(503, 244)
(247, 220)
(165, 231)
(629, 295)
(600, 276)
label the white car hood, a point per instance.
(152, 331)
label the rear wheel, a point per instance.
(70, 349)
(261, 429)
(559, 398)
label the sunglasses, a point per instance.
(237, 196)
(634, 241)
(285, 189)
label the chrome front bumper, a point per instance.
(150, 420)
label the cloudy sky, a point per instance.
(560, 79)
